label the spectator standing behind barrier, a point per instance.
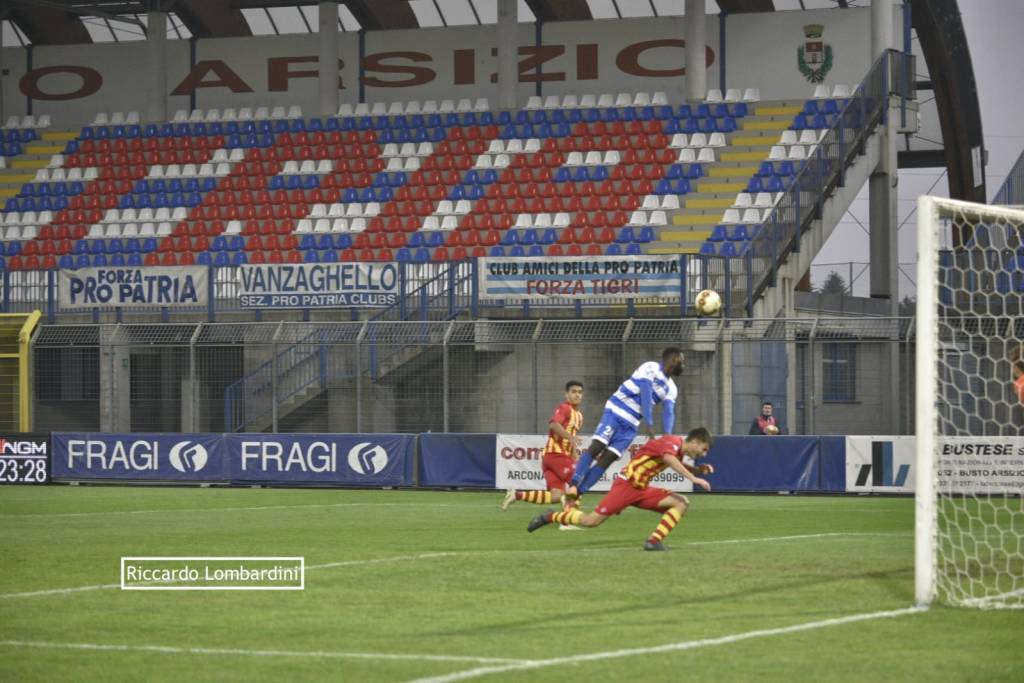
(765, 424)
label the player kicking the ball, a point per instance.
(630, 487)
(560, 451)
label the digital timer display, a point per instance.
(24, 459)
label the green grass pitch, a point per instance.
(456, 585)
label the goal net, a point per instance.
(969, 537)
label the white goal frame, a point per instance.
(929, 215)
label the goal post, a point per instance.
(969, 416)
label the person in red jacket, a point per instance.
(631, 486)
(766, 423)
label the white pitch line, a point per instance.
(166, 649)
(235, 509)
(377, 560)
(669, 647)
(799, 537)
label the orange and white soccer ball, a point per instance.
(708, 302)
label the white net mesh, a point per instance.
(978, 406)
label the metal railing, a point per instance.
(465, 375)
(1012, 191)
(825, 170)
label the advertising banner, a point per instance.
(24, 458)
(457, 460)
(882, 464)
(318, 285)
(346, 459)
(517, 464)
(548, 279)
(133, 287)
(143, 457)
(980, 465)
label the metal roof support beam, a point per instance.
(156, 53)
(508, 54)
(944, 44)
(327, 39)
(207, 19)
(560, 10)
(47, 25)
(383, 14)
(696, 61)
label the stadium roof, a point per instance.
(46, 22)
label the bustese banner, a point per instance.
(625, 277)
(318, 285)
(133, 287)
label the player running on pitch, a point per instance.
(560, 451)
(630, 408)
(631, 488)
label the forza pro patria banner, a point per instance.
(133, 287)
(318, 285)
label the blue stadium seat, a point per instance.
(100, 260)
(221, 258)
(66, 262)
(239, 258)
(517, 251)
(421, 255)
(613, 249)
(633, 249)
(766, 170)
(82, 261)
(148, 245)
(528, 237)
(310, 256)
(307, 242)
(416, 240)
(718, 234)
(733, 249)
(403, 255)
(645, 235)
(134, 260)
(739, 233)
(510, 238)
(329, 256)
(343, 241)
(625, 235)
(97, 247)
(550, 236)
(774, 185)
(754, 185)
(708, 249)
(436, 239)
(496, 250)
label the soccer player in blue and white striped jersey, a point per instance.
(629, 409)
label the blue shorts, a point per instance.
(615, 432)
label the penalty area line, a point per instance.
(668, 647)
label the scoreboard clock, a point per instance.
(24, 459)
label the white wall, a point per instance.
(579, 57)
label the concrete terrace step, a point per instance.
(18, 162)
(59, 135)
(720, 188)
(41, 148)
(709, 203)
(722, 171)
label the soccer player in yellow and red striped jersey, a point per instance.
(631, 486)
(560, 451)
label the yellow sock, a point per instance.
(537, 497)
(665, 526)
(567, 517)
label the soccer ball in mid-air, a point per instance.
(708, 302)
